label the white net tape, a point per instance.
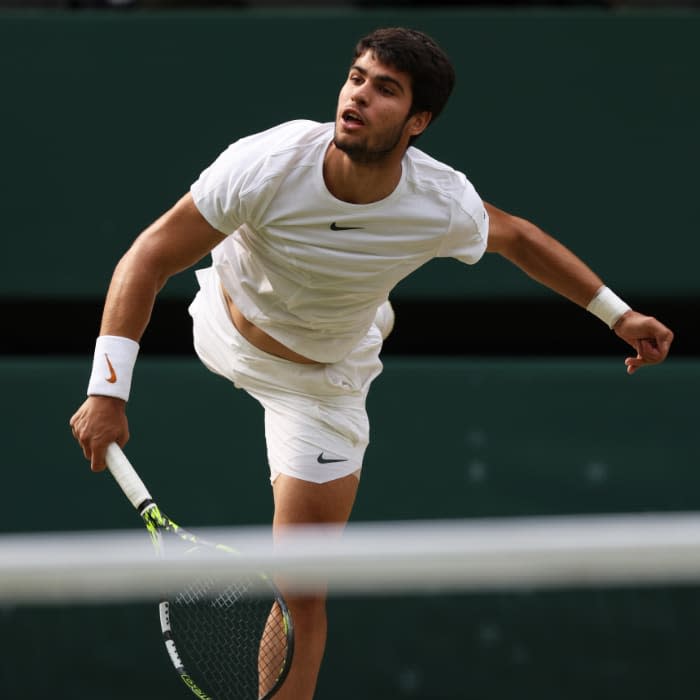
(371, 558)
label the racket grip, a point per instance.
(126, 476)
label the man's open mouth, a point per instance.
(350, 116)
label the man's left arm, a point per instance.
(549, 262)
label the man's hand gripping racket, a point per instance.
(225, 642)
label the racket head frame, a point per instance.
(157, 524)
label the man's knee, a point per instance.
(310, 607)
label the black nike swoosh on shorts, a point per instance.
(335, 227)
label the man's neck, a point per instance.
(360, 183)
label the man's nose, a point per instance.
(359, 95)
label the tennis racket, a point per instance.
(225, 642)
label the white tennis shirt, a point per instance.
(310, 269)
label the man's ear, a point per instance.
(418, 123)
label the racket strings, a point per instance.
(233, 641)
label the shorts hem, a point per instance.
(317, 478)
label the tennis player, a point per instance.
(310, 226)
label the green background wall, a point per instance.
(451, 438)
(585, 122)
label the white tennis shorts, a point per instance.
(316, 424)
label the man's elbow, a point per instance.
(510, 235)
(145, 260)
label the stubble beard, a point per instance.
(362, 154)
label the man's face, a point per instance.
(372, 118)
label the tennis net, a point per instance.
(367, 558)
(546, 608)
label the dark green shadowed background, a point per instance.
(586, 122)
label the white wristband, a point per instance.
(607, 306)
(112, 366)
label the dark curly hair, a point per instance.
(415, 53)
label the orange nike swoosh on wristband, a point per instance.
(112, 379)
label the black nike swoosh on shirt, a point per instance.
(323, 460)
(335, 227)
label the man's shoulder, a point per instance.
(442, 183)
(274, 151)
(422, 165)
(286, 135)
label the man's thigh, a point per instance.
(299, 502)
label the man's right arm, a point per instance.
(174, 242)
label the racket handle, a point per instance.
(126, 476)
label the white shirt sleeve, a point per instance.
(216, 193)
(468, 233)
(220, 191)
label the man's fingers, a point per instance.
(650, 339)
(664, 342)
(98, 462)
(633, 364)
(648, 353)
(649, 350)
(97, 423)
